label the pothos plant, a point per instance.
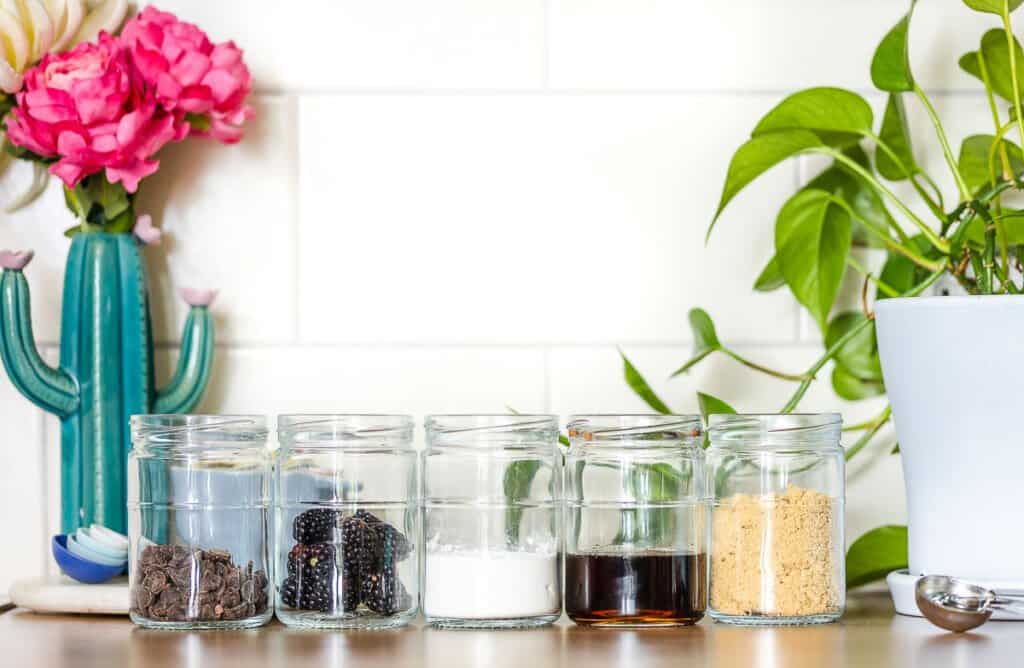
(972, 235)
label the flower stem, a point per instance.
(763, 369)
(911, 176)
(928, 232)
(1012, 47)
(874, 427)
(882, 285)
(846, 338)
(965, 193)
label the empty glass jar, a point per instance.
(777, 553)
(636, 514)
(491, 521)
(198, 511)
(347, 521)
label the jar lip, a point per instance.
(647, 427)
(228, 431)
(485, 423)
(333, 429)
(775, 428)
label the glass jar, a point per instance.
(492, 488)
(347, 521)
(777, 553)
(636, 516)
(198, 513)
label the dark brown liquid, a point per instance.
(647, 588)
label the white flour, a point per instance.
(490, 585)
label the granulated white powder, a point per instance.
(490, 585)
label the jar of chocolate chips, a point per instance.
(347, 521)
(198, 521)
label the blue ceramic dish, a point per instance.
(78, 568)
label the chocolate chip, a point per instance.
(164, 588)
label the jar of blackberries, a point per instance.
(347, 521)
(198, 522)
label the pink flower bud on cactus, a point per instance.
(15, 259)
(145, 232)
(198, 297)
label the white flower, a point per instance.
(29, 29)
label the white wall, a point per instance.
(463, 205)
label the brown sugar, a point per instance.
(775, 555)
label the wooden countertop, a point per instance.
(869, 635)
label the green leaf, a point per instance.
(770, 278)
(997, 62)
(876, 554)
(860, 355)
(899, 272)
(1010, 223)
(852, 388)
(759, 155)
(838, 117)
(896, 136)
(895, 449)
(705, 339)
(517, 482)
(974, 160)
(710, 405)
(862, 198)
(812, 237)
(993, 6)
(639, 385)
(890, 67)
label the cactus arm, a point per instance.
(53, 390)
(193, 372)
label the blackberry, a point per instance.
(312, 579)
(385, 595)
(385, 532)
(315, 526)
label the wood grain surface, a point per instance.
(869, 635)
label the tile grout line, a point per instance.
(546, 389)
(296, 211)
(546, 45)
(548, 91)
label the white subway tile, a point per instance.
(590, 380)
(414, 379)
(227, 213)
(332, 44)
(39, 227)
(22, 492)
(569, 218)
(770, 45)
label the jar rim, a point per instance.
(213, 431)
(645, 427)
(335, 429)
(469, 423)
(767, 429)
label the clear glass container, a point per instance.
(492, 487)
(347, 521)
(636, 514)
(198, 521)
(777, 552)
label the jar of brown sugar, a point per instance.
(777, 552)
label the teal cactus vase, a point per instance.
(106, 366)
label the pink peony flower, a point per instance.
(87, 108)
(190, 73)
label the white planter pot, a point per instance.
(954, 372)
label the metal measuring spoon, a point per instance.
(959, 606)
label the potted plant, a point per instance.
(948, 364)
(96, 116)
